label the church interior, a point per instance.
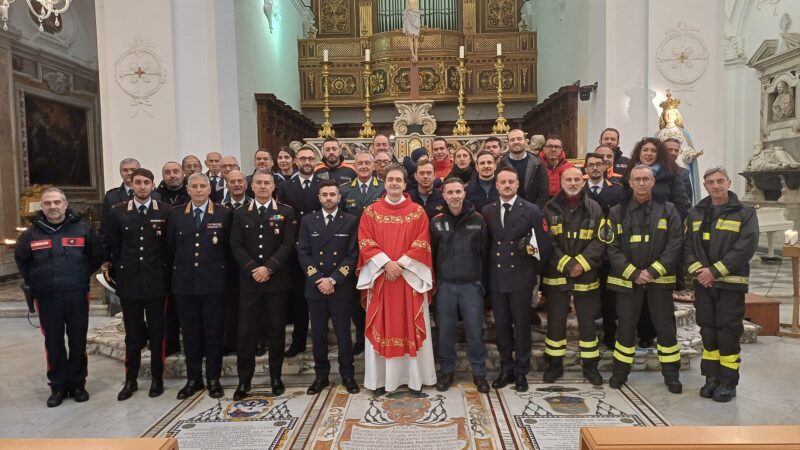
(85, 84)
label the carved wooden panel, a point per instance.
(558, 114)
(335, 17)
(279, 124)
(499, 15)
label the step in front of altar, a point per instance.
(109, 341)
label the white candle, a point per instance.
(499, 49)
(325, 55)
(787, 236)
(794, 238)
(461, 52)
(366, 55)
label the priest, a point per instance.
(395, 276)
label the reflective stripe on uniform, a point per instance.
(721, 267)
(553, 281)
(555, 348)
(710, 355)
(620, 282)
(562, 262)
(556, 229)
(665, 280)
(729, 361)
(586, 287)
(586, 234)
(671, 349)
(585, 264)
(669, 358)
(706, 236)
(619, 228)
(696, 225)
(624, 354)
(589, 349)
(693, 268)
(729, 225)
(628, 271)
(735, 279)
(640, 238)
(669, 354)
(662, 224)
(659, 268)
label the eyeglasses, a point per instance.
(595, 165)
(553, 147)
(306, 158)
(641, 180)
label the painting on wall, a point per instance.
(57, 144)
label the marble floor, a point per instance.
(768, 393)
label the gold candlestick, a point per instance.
(461, 128)
(326, 130)
(366, 128)
(500, 125)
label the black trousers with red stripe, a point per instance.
(59, 313)
(133, 317)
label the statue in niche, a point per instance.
(412, 24)
(770, 158)
(789, 40)
(783, 105)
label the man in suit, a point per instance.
(197, 237)
(533, 180)
(328, 249)
(226, 165)
(301, 193)
(357, 195)
(262, 242)
(425, 194)
(482, 189)
(237, 199)
(515, 259)
(607, 194)
(137, 250)
(120, 194)
(213, 160)
(190, 164)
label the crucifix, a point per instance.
(412, 24)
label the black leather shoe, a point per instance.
(553, 372)
(673, 384)
(358, 348)
(316, 387)
(277, 386)
(481, 384)
(445, 380)
(380, 391)
(351, 386)
(503, 380)
(707, 391)
(521, 383)
(294, 351)
(127, 390)
(261, 349)
(56, 398)
(724, 393)
(215, 389)
(241, 392)
(156, 388)
(79, 394)
(189, 389)
(617, 380)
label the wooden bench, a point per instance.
(91, 444)
(763, 311)
(691, 438)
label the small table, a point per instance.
(793, 251)
(764, 312)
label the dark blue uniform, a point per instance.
(262, 239)
(56, 261)
(433, 204)
(304, 200)
(330, 251)
(199, 280)
(477, 195)
(232, 292)
(137, 249)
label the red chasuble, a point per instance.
(395, 324)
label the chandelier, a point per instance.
(42, 9)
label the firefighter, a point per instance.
(721, 238)
(572, 272)
(644, 237)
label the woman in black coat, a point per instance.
(669, 186)
(463, 165)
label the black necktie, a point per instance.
(237, 205)
(507, 208)
(329, 219)
(198, 218)
(363, 189)
(143, 210)
(306, 183)
(130, 193)
(262, 210)
(595, 190)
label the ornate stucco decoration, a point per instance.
(682, 57)
(414, 113)
(140, 72)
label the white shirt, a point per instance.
(599, 185)
(259, 205)
(503, 208)
(332, 213)
(146, 204)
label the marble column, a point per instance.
(9, 191)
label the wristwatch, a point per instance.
(333, 282)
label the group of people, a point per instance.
(391, 247)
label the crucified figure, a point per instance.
(411, 27)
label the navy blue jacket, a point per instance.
(329, 251)
(55, 259)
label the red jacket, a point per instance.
(442, 168)
(554, 174)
